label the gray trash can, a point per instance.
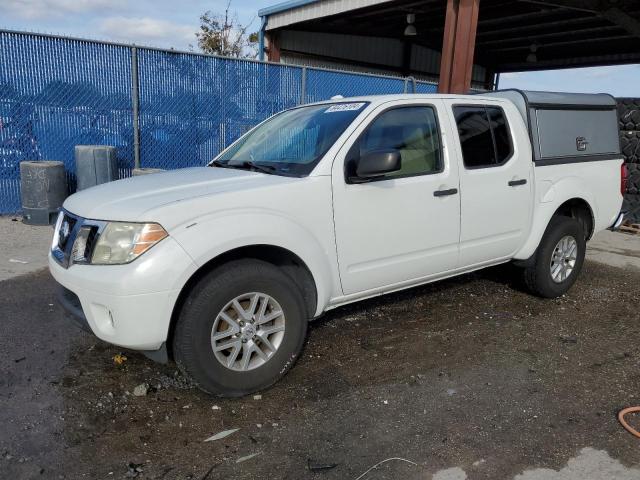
(95, 164)
(43, 188)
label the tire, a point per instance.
(194, 340)
(538, 276)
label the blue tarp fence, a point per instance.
(159, 108)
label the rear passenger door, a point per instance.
(495, 181)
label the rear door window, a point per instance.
(484, 135)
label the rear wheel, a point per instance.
(241, 328)
(559, 258)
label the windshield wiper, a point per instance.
(248, 164)
(219, 163)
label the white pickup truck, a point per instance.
(221, 267)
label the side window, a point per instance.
(484, 135)
(413, 131)
(501, 135)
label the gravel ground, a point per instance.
(23, 248)
(467, 378)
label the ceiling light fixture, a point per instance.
(532, 57)
(410, 29)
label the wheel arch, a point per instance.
(574, 206)
(281, 257)
(579, 209)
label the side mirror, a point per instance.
(378, 163)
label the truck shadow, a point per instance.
(506, 275)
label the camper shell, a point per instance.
(567, 127)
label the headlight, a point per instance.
(121, 242)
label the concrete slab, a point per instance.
(23, 248)
(591, 464)
(615, 248)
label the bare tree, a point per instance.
(223, 34)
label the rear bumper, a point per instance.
(618, 222)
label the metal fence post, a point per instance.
(406, 84)
(303, 87)
(135, 107)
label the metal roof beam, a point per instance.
(622, 19)
(564, 43)
(530, 30)
(590, 6)
(532, 37)
(511, 18)
(572, 62)
(410, 7)
(614, 14)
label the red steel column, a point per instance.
(273, 48)
(458, 46)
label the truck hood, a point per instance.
(131, 198)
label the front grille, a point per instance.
(66, 229)
(91, 242)
(66, 250)
(65, 236)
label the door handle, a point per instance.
(515, 183)
(443, 193)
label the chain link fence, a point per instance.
(159, 108)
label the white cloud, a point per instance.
(32, 9)
(147, 30)
(600, 72)
(510, 75)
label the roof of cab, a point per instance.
(404, 96)
(537, 98)
(533, 97)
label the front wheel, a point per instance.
(559, 258)
(241, 328)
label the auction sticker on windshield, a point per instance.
(344, 107)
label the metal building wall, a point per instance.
(333, 50)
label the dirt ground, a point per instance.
(470, 374)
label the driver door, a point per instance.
(404, 226)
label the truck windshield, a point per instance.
(292, 142)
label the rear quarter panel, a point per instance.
(596, 182)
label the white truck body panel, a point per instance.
(357, 240)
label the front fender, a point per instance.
(222, 232)
(549, 197)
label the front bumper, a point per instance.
(71, 303)
(127, 305)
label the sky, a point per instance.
(173, 23)
(157, 23)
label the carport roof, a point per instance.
(510, 35)
(283, 7)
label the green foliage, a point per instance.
(222, 34)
